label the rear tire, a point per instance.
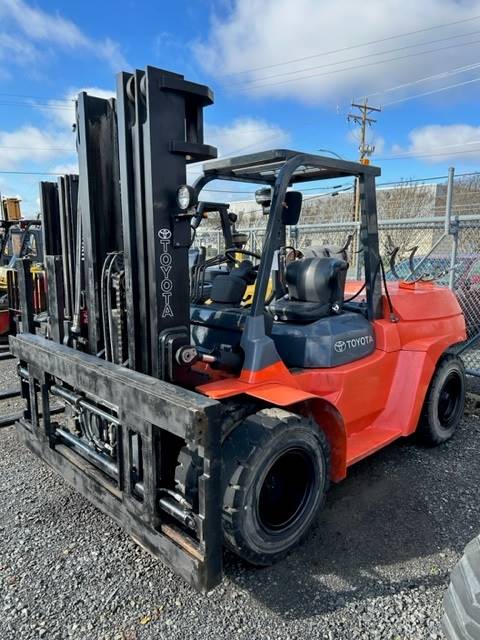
(276, 474)
(444, 403)
(461, 620)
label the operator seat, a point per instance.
(315, 290)
(196, 256)
(230, 288)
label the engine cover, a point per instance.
(328, 342)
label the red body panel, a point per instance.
(364, 405)
(4, 322)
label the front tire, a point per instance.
(276, 474)
(445, 402)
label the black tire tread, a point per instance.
(425, 432)
(237, 451)
(461, 619)
(190, 464)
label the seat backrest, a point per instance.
(193, 255)
(196, 256)
(317, 280)
(230, 288)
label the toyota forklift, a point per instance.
(197, 417)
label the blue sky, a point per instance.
(283, 73)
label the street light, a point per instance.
(334, 193)
(332, 152)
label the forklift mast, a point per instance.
(133, 153)
(160, 129)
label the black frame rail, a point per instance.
(141, 405)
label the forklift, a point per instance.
(197, 417)
(20, 238)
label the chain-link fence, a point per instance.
(442, 243)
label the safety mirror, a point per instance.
(292, 207)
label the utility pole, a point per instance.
(364, 120)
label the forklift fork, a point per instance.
(143, 410)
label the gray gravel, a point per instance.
(375, 566)
(9, 380)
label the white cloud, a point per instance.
(437, 143)
(245, 135)
(13, 48)
(258, 33)
(35, 30)
(63, 113)
(34, 145)
(54, 143)
(71, 167)
(379, 144)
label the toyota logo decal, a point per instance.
(340, 346)
(164, 234)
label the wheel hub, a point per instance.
(285, 490)
(448, 400)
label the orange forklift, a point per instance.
(210, 421)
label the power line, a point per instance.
(433, 91)
(431, 178)
(345, 187)
(43, 98)
(70, 150)
(247, 192)
(32, 173)
(252, 144)
(379, 184)
(361, 66)
(407, 181)
(436, 76)
(363, 57)
(355, 46)
(443, 146)
(430, 155)
(35, 105)
(227, 133)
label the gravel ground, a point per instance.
(375, 566)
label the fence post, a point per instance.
(451, 229)
(454, 231)
(359, 254)
(448, 204)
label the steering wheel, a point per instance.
(229, 254)
(292, 254)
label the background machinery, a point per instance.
(19, 238)
(461, 618)
(197, 415)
